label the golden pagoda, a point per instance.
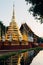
(13, 32)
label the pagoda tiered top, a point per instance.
(13, 32)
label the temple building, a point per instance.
(13, 32)
(31, 37)
(14, 38)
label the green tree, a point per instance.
(36, 8)
(2, 28)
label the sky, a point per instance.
(21, 14)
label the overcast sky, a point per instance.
(21, 13)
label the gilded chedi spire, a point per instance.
(13, 17)
(13, 32)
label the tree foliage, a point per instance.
(2, 27)
(37, 7)
(40, 40)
